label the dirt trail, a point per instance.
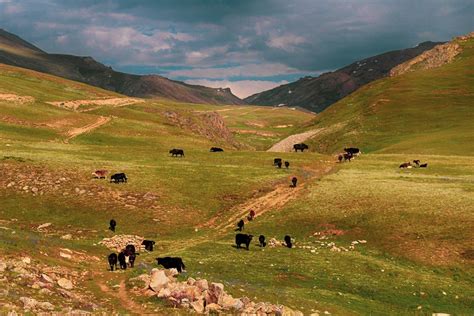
(271, 201)
(21, 99)
(85, 129)
(286, 145)
(114, 102)
(122, 295)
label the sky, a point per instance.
(246, 45)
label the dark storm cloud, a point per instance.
(233, 40)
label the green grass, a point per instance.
(417, 222)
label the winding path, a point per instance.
(86, 129)
(286, 145)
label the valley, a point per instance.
(369, 237)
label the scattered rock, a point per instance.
(159, 280)
(66, 237)
(65, 284)
(42, 226)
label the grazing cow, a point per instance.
(347, 157)
(100, 174)
(416, 162)
(294, 180)
(130, 250)
(112, 223)
(118, 177)
(424, 165)
(276, 161)
(279, 164)
(251, 215)
(301, 147)
(171, 262)
(216, 149)
(352, 150)
(240, 225)
(113, 261)
(177, 152)
(287, 164)
(122, 261)
(405, 165)
(288, 241)
(261, 240)
(243, 239)
(131, 260)
(148, 244)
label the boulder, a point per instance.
(228, 302)
(198, 306)
(213, 307)
(215, 293)
(46, 306)
(46, 278)
(202, 284)
(65, 284)
(28, 303)
(158, 280)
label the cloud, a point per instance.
(248, 70)
(286, 42)
(241, 88)
(254, 42)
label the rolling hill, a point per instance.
(426, 106)
(317, 93)
(17, 52)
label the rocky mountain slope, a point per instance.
(317, 93)
(17, 52)
(425, 106)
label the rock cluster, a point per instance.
(435, 57)
(38, 181)
(119, 242)
(202, 296)
(40, 288)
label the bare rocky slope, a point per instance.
(435, 57)
(17, 52)
(318, 93)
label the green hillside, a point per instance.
(425, 111)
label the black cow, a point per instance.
(276, 161)
(243, 239)
(340, 157)
(148, 244)
(294, 180)
(130, 250)
(347, 156)
(261, 240)
(301, 147)
(288, 241)
(352, 150)
(416, 162)
(216, 149)
(287, 164)
(113, 223)
(171, 262)
(131, 260)
(279, 164)
(118, 177)
(113, 261)
(122, 261)
(405, 165)
(177, 152)
(424, 165)
(240, 225)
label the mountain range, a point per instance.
(317, 93)
(18, 52)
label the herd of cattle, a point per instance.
(128, 255)
(416, 163)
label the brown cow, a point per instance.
(100, 174)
